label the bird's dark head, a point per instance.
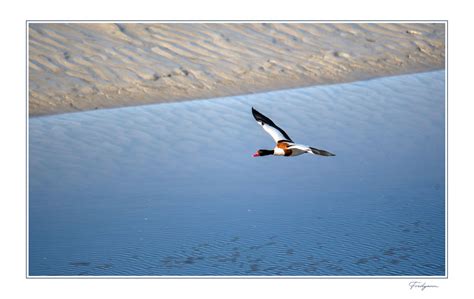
(263, 152)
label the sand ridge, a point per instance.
(85, 66)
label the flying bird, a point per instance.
(284, 145)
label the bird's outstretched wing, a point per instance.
(309, 149)
(270, 127)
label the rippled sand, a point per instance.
(78, 66)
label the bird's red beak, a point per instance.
(256, 155)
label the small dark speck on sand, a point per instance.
(362, 261)
(404, 257)
(104, 266)
(254, 267)
(120, 27)
(394, 261)
(375, 258)
(390, 251)
(84, 264)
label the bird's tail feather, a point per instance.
(319, 152)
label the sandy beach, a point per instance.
(79, 66)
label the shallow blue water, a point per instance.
(172, 189)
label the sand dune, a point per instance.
(78, 66)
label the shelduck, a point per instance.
(284, 145)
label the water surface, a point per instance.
(172, 189)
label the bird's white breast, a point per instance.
(278, 151)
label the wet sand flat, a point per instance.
(172, 189)
(87, 66)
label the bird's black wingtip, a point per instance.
(321, 152)
(327, 154)
(256, 114)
